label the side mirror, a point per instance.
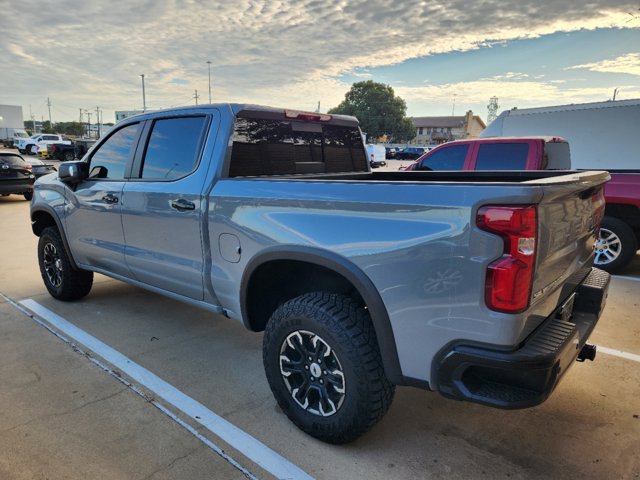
(72, 173)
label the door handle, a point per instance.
(182, 205)
(110, 198)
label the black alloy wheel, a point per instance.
(323, 365)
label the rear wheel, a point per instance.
(68, 156)
(323, 365)
(616, 245)
(62, 280)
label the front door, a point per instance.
(93, 222)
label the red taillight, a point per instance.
(510, 278)
(28, 167)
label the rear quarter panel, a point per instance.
(417, 243)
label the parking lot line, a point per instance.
(619, 353)
(247, 445)
(625, 277)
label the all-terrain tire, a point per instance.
(62, 280)
(617, 245)
(323, 365)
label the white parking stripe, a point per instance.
(624, 277)
(253, 449)
(619, 353)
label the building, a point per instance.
(122, 114)
(436, 130)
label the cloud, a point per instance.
(629, 64)
(276, 52)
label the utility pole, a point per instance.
(88, 123)
(209, 64)
(80, 115)
(615, 93)
(98, 119)
(144, 98)
(33, 120)
(196, 96)
(318, 109)
(49, 105)
(453, 109)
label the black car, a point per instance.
(39, 168)
(16, 175)
(410, 153)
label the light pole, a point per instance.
(209, 64)
(144, 99)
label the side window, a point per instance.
(173, 148)
(109, 161)
(447, 158)
(502, 156)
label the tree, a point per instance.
(47, 128)
(76, 129)
(379, 111)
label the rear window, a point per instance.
(447, 158)
(502, 156)
(14, 160)
(283, 147)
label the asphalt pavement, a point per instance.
(75, 405)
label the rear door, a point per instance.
(162, 208)
(93, 224)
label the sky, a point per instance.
(442, 57)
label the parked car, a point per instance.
(338, 265)
(16, 175)
(40, 168)
(390, 152)
(620, 233)
(67, 152)
(42, 150)
(410, 153)
(376, 155)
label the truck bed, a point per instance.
(503, 176)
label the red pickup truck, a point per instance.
(620, 231)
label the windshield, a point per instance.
(20, 135)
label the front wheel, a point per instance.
(616, 245)
(62, 280)
(324, 368)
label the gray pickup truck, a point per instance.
(478, 285)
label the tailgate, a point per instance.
(569, 217)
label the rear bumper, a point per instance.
(525, 377)
(16, 186)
